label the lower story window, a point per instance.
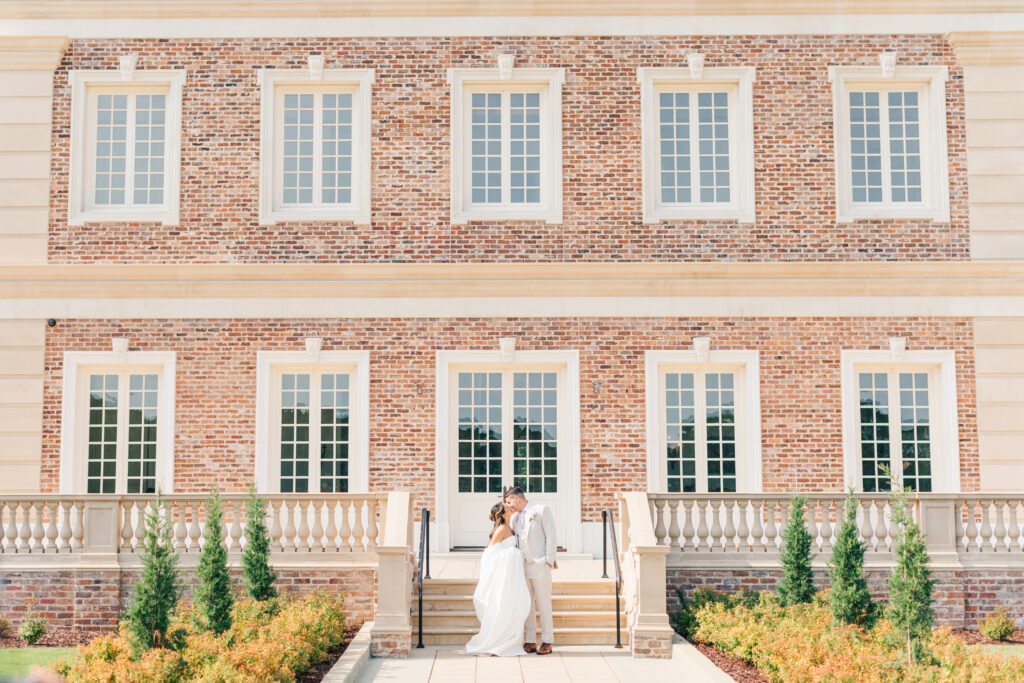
(314, 429)
(700, 432)
(122, 433)
(895, 430)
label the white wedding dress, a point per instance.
(501, 600)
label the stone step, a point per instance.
(563, 636)
(467, 586)
(560, 603)
(438, 621)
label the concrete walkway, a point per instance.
(572, 663)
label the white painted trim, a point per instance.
(750, 474)
(622, 25)
(942, 365)
(550, 81)
(739, 81)
(359, 362)
(362, 82)
(72, 467)
(442, 447)
(931, 80)
(79, 211)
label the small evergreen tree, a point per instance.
(214, 596)
(797, 585)
(850, 598)
(259, 577)
(910, 585)
(158, 589)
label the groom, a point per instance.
(534, 527)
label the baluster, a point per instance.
(50, 533)
(235, 532)
(894, 530)
(689, 510)
(1000, 530)
(78, 526)
(972, 525)
(275, 525)
(959, 524)
(744, 529)
(332, 528)
(65, 527)
(357, 527)
(37, 527)
(126, 524)
(986, 526)
(317, 531)
(864, 521)
(878, 530)
(288, 541)
(180, 529)
(24, 531)
(8, 532)
(770, 531)
(194, 534)
(756, 529)
(345, 530)
(716, 526)
(140, 523)
(827, 508)
(1014, 531)
(673, 527)
(302, 542)
(659, 524)
(703, 531)
(813, 528)
(729, 540)
(371, 529)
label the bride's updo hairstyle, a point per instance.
(498, 514)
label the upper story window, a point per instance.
(703, 422)
(125, 145)
(315, 145)
(118, 422)
(698, 143)
(899, 414)
(506, 144)
(890, 133)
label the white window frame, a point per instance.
(82, 167)
(945, 444)
(269, 363)
(739, 82)
(357, 81)
(75, 420)
(549, 80)
(746, 365)
(930, 82)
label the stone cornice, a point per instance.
(33, 53)
(988, 48)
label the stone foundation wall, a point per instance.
(75, 598)
(963, 598)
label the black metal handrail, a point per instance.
(424, 562)
(608, 525)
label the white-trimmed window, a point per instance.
(118, 422)
(900, 413)
(506, 144)
(890, 138)
(315, 145)
(703, 422)
(313, 422)
(125, 146)
(698, 143)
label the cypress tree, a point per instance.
(259, 577)
(850, 598)
(214, 596)
(159, 588)
(797, 584)
(910, 585)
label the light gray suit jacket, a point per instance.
(535, 532)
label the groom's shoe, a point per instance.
(530, 647)
(544, 649)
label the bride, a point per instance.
(502, 598)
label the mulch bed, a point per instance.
(975, 638)
(57, 638)
(735, 667)
(320, 670)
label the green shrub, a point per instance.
(259, 577)
(850, 599)
(214, 595)
(685, 620)
(32, 627)
(998, 626)
(5, 628)
(797, 584)
(157, 590)
(910, 585)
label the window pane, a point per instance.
(873, 388)
(101, 466)
(720, 402)
(298, 148)
(535, 431)
(865, 147)
(111, 149)
(334, 433)
(336, 161)
(479, 442)
(524, 147)
(142, 429)
(295, 396)
(904, 146)
(915, 431)
(681, 437)
(485, 142)
(674, 141)
(150, 149)
(713, 141)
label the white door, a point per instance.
(509, 429)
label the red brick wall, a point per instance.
(799, 365)
(794, 161)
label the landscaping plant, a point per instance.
(214, 594)
(5, 628)
(910, 585)
(685, 620)
(998, 626)
(32, 627)
(850, 599)
(259, 577)
(158, 589)
(797, 584)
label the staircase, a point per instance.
(584, 612)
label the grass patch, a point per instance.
(1005, 650)
(16, 661)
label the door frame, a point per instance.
(570, 360)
